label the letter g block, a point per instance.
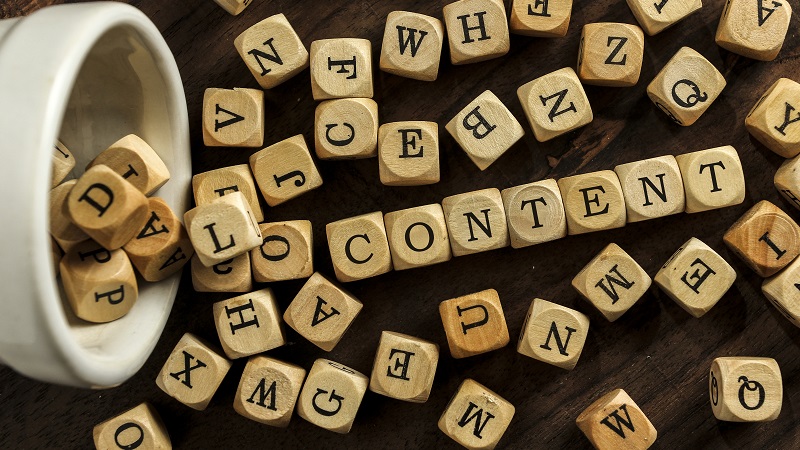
(332, 395)
(743, 389)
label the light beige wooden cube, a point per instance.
(787, 181)
(136, 161)
(412, 45)
(593, 201)
(65, 233)
(234, 7)
(332, 395)
(755, 29)
(553, 334)
(359, 247)
(773, 119)
(477, 30)
(418, 236)
(476, 417)
(542, 18)
(56, 253)
(404, 367)
(138, 427)
(285, 170)
(652, 188)
(211, 185)
(745, 389)
(193, 372)
(232, 275)
(249, 324)
(233, 117)
(476, 221)
(408, 153)
(341, 68)
(286, 252)
(555, 104)
(535, 213)
(346, 128)
(656, 16)
(474, 324)
(712, 178)
(610, 54)
(268, 391)
(783, 291)
(272, 51)
(63, 163)
(614, 421)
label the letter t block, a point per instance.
(615, 421)
(404, 367)
(474, 324)
(476, 417)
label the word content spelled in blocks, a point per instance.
(346, 128)
(476, 417)
(268, 391)
(234, 7)
(535, 213)
(331, 396)
(193, 372)
(65, 233)
(553, 334)
(341, 68)
(285, 170)
(477, 30)
(359, 247)
(412, 45)
(612, 281)
(211, 185)
(542, 18)
(474, 324)
(686, 86)
(656, 16)
(404, 367)
(231, 275)
(476, 221)
(615, 422)
(139, 427)
(593, 202)
(610, 54)
(786, 180)
(555, 104)
(418, 236)
(744, 389)
(755, 29)
(136, 161)
(249, 324)
(233, 117)
(652, 188)
(286, 252)
(272, 51)
(773, 119)
(63, 163)
(783, 291)
(712, 178)
(408, 153)
(765, 238)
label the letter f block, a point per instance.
(332, 395)
(615, 422)
(474, 324)
(476, 417)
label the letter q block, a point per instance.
(474, 324)
(332, 395)
(359, 247)
(404, 367)
(139, 427)
(745, 389)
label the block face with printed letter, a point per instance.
(712, 178)
(476, 221)
(233, 117)
(477, 30)
(542, 18)
(285, 170)
(412, 45)
(404, 367)
(359, 247)
(476, 417)
(138, 427)
(286, 252)
(231, 275)
(133, 159)
(268, 390)
(332, 395)
(272, 51)
(773, 120)
(610, 54)
(346, 128)
(213, 184)
(474, 324)
(408, 153)
(652, 188)
(593, 202)
(418, 236)
(553, 334)
(783, 291)
(249, 324)
(341, 68)
(657, 16)
(745, 389)
(555, 104)
(754, 29)
(535, 213)
(614, 422)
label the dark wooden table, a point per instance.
(658, 353)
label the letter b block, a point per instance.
(476, 417)
(332, 395)
(615, 422)
(712, 178)
(743, 389)
(477, 30)
(412, 45)
(476, 221)
(233, 117)
(404, 367)
(555, 104)
(359, 247)
(474, 324)
(193, 372)
(268, 391)
(139, 427)
(593, 202)
(408, 153)
(249, 324)
(341, 68)
(773, 119)
(272, 51)
(553, 334)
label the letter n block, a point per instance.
(404, 367)
(249, 324)
(136, 161)
(232, 275)
(268, 390)
(541, 18)
(211, 185)
(615, 421)
(555, 104)
(63, 163)
(712, 178)
(610, 54)
(139, 427)
(476, 417)
(652, 188)
(745, 389)
(285, 170)
(476, 221)
(359, 247)
(408, 153)
(773, 121)
(193, 372)
(418, 236)
(657, 15)
(477, 30)
(535, 213)
(755, 29)
(346, 128)
(332, 395)
(593, 202)
(272, 51)
(783, 291)
(341, 68)
(553, 334)
(233, 117)
(286, 252)
(474, 324)
(412, 45)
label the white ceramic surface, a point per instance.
(89, 74)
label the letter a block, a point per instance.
(232, 275)
(285, 170)
(346, 128)
(476, 221)
(476, 417)
(211, 185)
(63, 163)
(743, 389)
(755, 29)
(139, 427)
(477, 30)
(535, 213)
(193, 372)
(555, 104)
(712, 178)
(474, 324)
(408, 153)
(286, 252)
(233, 117)
(133, 159)
(615, 422)
(553, 334)
(593, 202)
(341, 68)
(412, 45)
(268, 391)
(249, 324)
(404, 367)
(652, 188)
(272, 51)
(773, 119)
(332, 395)
(610, 54)
(542, 18)
(418, 236)
(656, 16)
(359, 247)
(783, 291)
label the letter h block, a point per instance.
(359, 247)
(474, 324)
(615, 422)
(139, 427)
(593, 202)
(476, 417)
(285, 170)
(477, 30)
(476, 221)
(341, 68)
(286, 252)
(272, 51)
(555, 104)
(346, 128)
(233, 117)
(193, 372)
(249, 324)
(553, 334)
(408, 153)
(332, 395)
(773, 119)
(404, 367)
(754, 29)
(712, 178)
(268, 391)
(745, 389)
(412, 45)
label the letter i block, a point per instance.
(712, 178)
(193, 372)
(477, 30)
(611, 54)
(136, 161)
(615, 421)
(476, 221)
(485, 129)
(593, 202)
(474, 324)
(234, 7)
(211, 185)
(404, 367)
(743, 389)
(656, 16)
(542, 18)
(268, 391)
(359, 247)
(612, 281)
(285, 170)
(272, 51)
(412, 45)
(783, 291)
(139, 427)
(286, 252)
(553, 334)
(773, 119)
(408, 153)
(65, 233)
(418, 237)
(754, 29)
(535, 213)
(476, 417)
(652, 188)
(249, 324)
(341, 68)
(232, 275)
(63, 163)
(765, 238)
(346, 128)
(331, 396)
(555, 104)
(233, 117)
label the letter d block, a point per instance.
(346, 128)
(193, 372)
(404, 367)
(286, 252)
(593, 202)
(285, 170)
(652, 188)
(553, 334)
(418, 236)
(476, 417)
(474, 324)
(765, 238)
(249, 324)
(743, 389)
(783, 291)
(233, 117)
(712, 178)
(555, 104)
(332, 395)
(139, 427)
(272, 51)
(408, 153)
(476, 221)
(412, 45)
(268, 391)
(359, 247)
(615, 422)
(341, 68)
(774, 118)
(477, 30)
(754, 29)
(136, 161)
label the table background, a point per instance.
(657, 352)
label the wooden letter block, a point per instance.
(346, 128)
(553, 334)
(476, 221)
(211, 185)
(765, 237)
(418, 236)
(652, 188)
(408, 153)
(232, 275)
(404, 367)
(548, 18)
(412, 45)
(63, 163)
(65, 233)
(773, 120)
(341, 68)
(234, 7)
(285, 170)
(613, 282)
(657, 16)
(286, 252)
(222, 229)
(745, 389)
(593, 202)
(754, 29)
(321, 312)
(611, 54)
(686, 86)
(359, 247)
(787, 181)
(535, 213)
(272, 51)
(268, 391)
(233, 117)
(56, 254)
(477, 30)
(476, 417)
(783, 291)
(712, 178)
(193, 372)
(139, 427)
(136, 161)
(474, 324)
(696, 277)
(555, 104)
(331, 396)
(485, 129)
(249, 324)
(615, 422)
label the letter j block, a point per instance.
(474, 324)
(593, 202)
(332, 395)
(615, 422)
(476, 417)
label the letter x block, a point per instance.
(656, 16)
(412, 45)
(359, 247)
(610, 54)
(614, 421)
(193, 372)
(286, 252)
(476, 221)
(553, 334)
(63, 163)
(474, 324)
(404, 367)
(765, 238)
(249, 324)
(211, 185)
(346, 128)
(476, 417)
(139, 427)
(477, 30)
(136, 161)
(652, 188)
(233, 117)
(285, 170)
(774, 118)
(232, 275)
(268, 391)
(408, 153)
(272, 51)
(783, 291)
(332, 395)
(535, 213)
(754, 29)
(745, 389)
(542, 18)
(418, 236)
(712, 178)
(593, 202)
(341, 68)
(555, 104)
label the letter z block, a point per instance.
(476, 221)
(656, 16)
(249, 324)
(541, 18)
(610, 54)
(63, 163)
(346, 128)
(404, 367)
(286, 252)
(535, 213)
(233, 117)
(773, 119)
(652, 188)
(418, 237)
(553, 334)
(136, 161)
(783, 291)
(359, 247)
(712, 178)
(268, 391)
(614, 421)
(745, 389)
(476, 417)
(477, 30)
(232, 275)
(408, 153)
(754, 29)
(193, 372)
(474, 324)
(412, 45)
(272, 51)
(555, 104)
(593, 202)
(139, 427)
(285, 170)
(341, 68)
(332, 395)
(211, 185)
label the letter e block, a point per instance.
(65, 233)
(63, 163)
(286, 252)
(555, 104)
(593, 202)
(408, 153)
(232, 275)
(656, 16)
(610, 54)
(193, 372)
(553, 334)
(540, 18)
(211, 185)
(474, 324)
(773, 119)
(332, 395)
(285, 170)
(477, 30)
(268, 391)
(233, 117)
(272, 51)
(783, 291)
(745, 389)
(476, 221)
(341, 68)
(139, 427)
(755, 29)
(346, 128)
(476, 417)
(712, 178)
(614, 421)
(652, 188)
(359, 247)
(136, 161)
(418, 236)
(249, 324)
(535, 213)
(404, 367)
(412, 45)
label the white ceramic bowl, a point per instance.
(89, 74)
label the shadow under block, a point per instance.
(476, 417)
(286, 252)
(754, 29)
(138, 427)
(234, 7)
(615, 422)
(211, 185)
(477, 30)
(404, 367)
(268, 391)
(192, 372)
(612, 281)
(412, 45)
(285, 170)
(652, 188)
(341, 68)
(233, 117)
(783, 291)
(272, 51)
(359, 247)
(712, 178)
(408, 153)
(63, 163)
(593, 202)
(322, 312)
(553, 334)
(787, 181)
(332, 395)
(765, 238)
(249, 324)
(134, 159)
(657, 16)
(535, 213)
(555, 104)
(346, 128)
(548, 18)
(610, 54)
(686, 86)
(485, 129)
(232, 275)
(474, 324)
(773, 121)
(418, 236)
(65, 233)
(745, 389)
(476, 221)
(695, 277)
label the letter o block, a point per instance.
(712, 178)
(346, 128)
(553, 334)
(286, 252)
(745, 389)
(359, 247)
(341, 68)
(593, 202)
(783, 292)
(656, 16)
(614, 421)
(477, 30)
(193, 372)
(285, 170)
(610, 54)
(268, 391)
(408, 153)
(233, 117)
(773, 121)
(272, 51)
(476, 417)
(755, 29)
(418, 237)
(412, 45)
(535, 213)
(474, 324)
(404, 367)
(476, 221)
(332, 395)
(652, 188)
(249, 324)
(139, 427)
(555, 104)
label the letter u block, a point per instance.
(268, 391)
(542, 18)
(712, 178)
(476, 221)
(474, 324)
(412, 45)
(272, 51)
(755, 29)
(249, 324)
(211, 185)
(359, 247)
(477, 30)
(773, 121)
(404, 367)
(341, 68)
(555, 104)
(233, 117)
(535, 213)
(614, 421)
(193, 372)
(652, 188)
(476, 417)
(745, 389)
(656, 16)
(133, 159)
(418, 236)
(286, 252)
(783, 291)
(138, 427)
(408, 153)
(593, 202)
(346, 128)
(553, 334)
(332, 395)
(285, 170)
